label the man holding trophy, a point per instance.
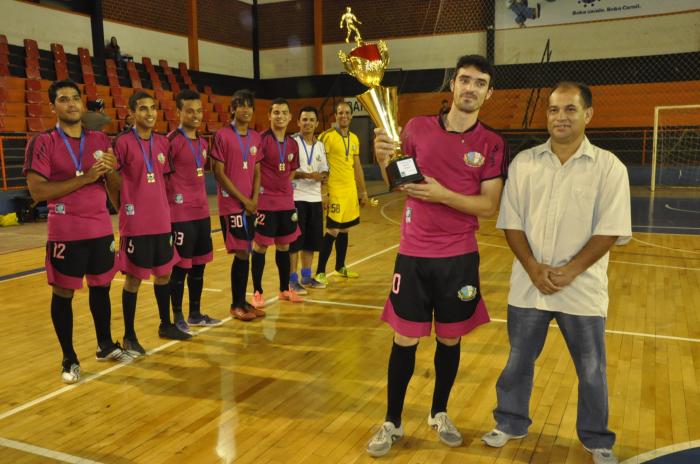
(451, 167)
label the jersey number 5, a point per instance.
(130, 247)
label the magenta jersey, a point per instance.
(228, 149)
(276, 191)
(187, 192)
(82, 214)
(144, 205)
(458, 161)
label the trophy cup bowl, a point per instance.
(367, 63)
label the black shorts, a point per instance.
(444, 289)
(310, 220)
(193, 242)
(143, 255)
(67, 262)
(238, 231)
(276, 227)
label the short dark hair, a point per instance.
(583, 90)
(242, 97)
(480, 63)
(309, 109)
(342, 102)
(136, 96)
(186, 94)
(278, 101)
(53, 88)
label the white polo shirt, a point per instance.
(560, 207)
(312, 158)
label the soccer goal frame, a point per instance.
(654, 149)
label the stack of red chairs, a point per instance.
(174, 86)
(186, 76)
(155, 79)
(4, 56)
(86, 66)
(60, 61)
(31, 59)
(134, 75)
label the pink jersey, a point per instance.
(82, 214)
(276, 191)
(230, 148)
(144, 205)
(187, 192)
(458, 161)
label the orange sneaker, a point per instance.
(241, 314)
(291, 296)
(252, 309)
(258, 300)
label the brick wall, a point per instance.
(225, 21)
(292, 22)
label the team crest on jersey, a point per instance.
(409, 214)
(466, 293)
(111, 247)
(474, 159)
(129, 209)
(204, 153)
(290, 156)
(170, 241)
(295, 217)
(98, 154)
(253, 150)
(161, 158)
(178, 198)
(60, 208)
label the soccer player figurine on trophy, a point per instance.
(366, 63)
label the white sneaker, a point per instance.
(381, 442)
(71, 374)
(603, 455)
(447, 432)
(497, 439)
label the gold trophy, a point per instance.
(366, 63)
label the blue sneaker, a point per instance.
(203, 320)
(313, 283)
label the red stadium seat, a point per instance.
(169, 115)
(32, 96)
(119, 101)
(32, 85)
(33, 73)
(164, 66)
(156, 85)
(113, 81)
(3, 39)
(91, 90)
(87, 69)
(4, 70)
(34, 110)
(89, 79)
(175, 87)
(110, 64)
(4, 49)
(35, 125)
(3, 94)
(183, 69)
(3, 108)
(167, 105)
(173, 125)
(224, 117)
(30, 62)
(146, 61)
(122, 113)
(31, 48)
(61, 73)
(207, 90)
(214, 126)
(115, 91)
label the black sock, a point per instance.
(239, 281)
(177, 290)
(129, 310)
(283, 266)
(162, 293)
(325, 253)
(401, 364)
(258, 264)
(62, 317)
(101, 309)
(341, 250)
(446, 365)
(195, 284)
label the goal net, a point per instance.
(676, 147)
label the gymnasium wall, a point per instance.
(137, 36)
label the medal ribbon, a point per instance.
(78, 162)
(197, 154)
(309, 157)
(146, 159)
(245, 149)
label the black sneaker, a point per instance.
(170, 331)
(114, 353)
(133, 347)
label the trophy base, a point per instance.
(402, 171)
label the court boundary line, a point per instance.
(661, 452)
(503, 321)
(45, 452)
(24, 406)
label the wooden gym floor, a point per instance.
(307, 383)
